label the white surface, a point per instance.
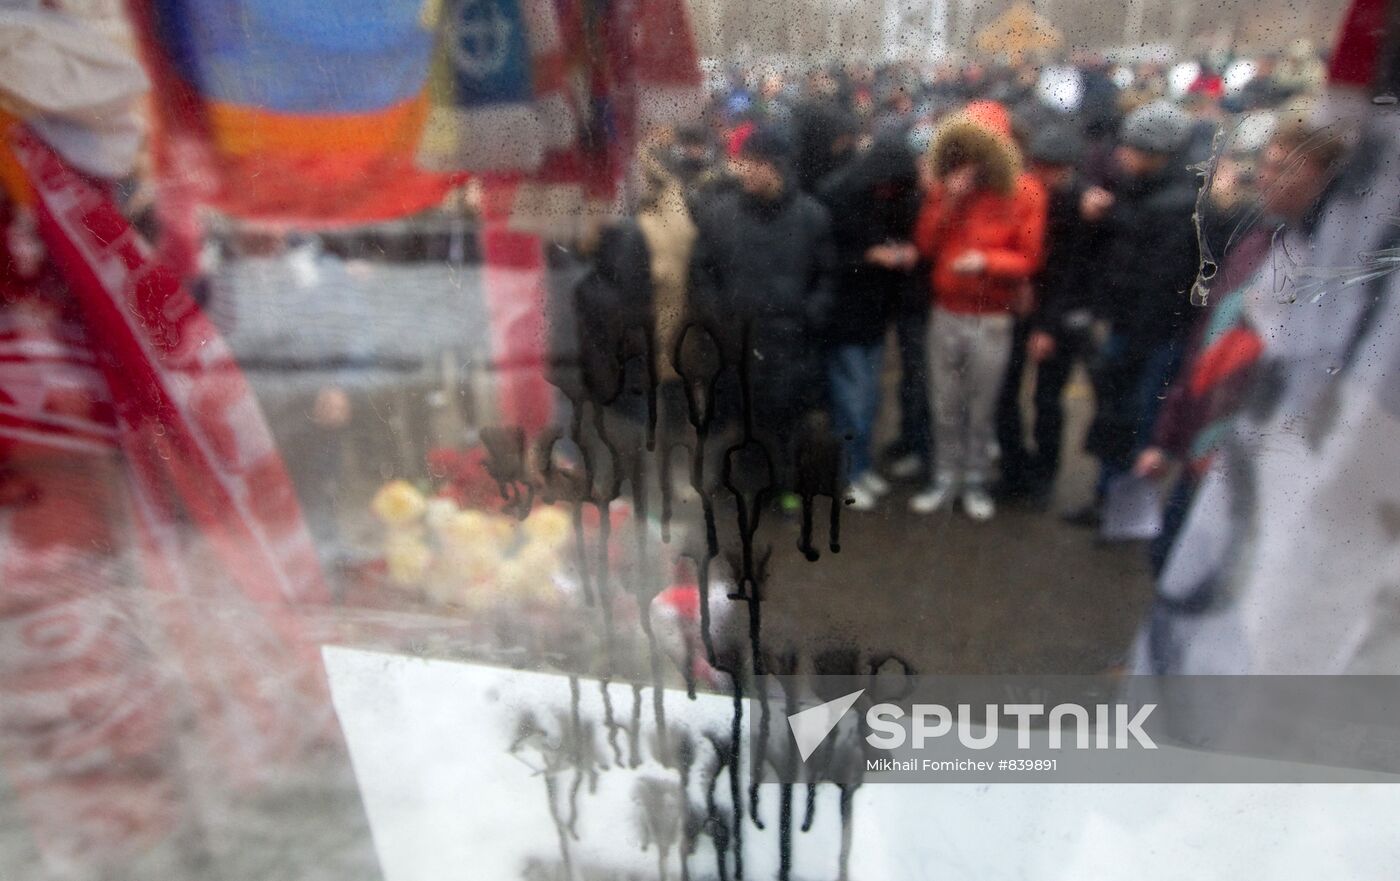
(445, 800)
(1139, 832)
(429, 742)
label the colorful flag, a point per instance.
(498, 87)
(307, 113)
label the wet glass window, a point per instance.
(565, 440)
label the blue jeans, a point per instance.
(854, 374)
(1145, 392)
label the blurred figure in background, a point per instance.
(825, 133)
(1297, 167)
(762, 279)
(1208, 83)
(874, 203)
(1058, 332)
(896, 114)
(1285, 562)
(1208, 117)
(1263, 90)
(673, 175)
(907, 457)
(691, 160)
(982, 227)
(1301, 71)
(737, 100)
(1149, 264)
(1098, 107)
(774, 102)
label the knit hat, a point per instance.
(1158, 127)
(762, 142)
(1056, 145)
(738, 137)
(692, 136)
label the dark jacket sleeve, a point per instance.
(821, 296)
(1169, 269)
(613, 308)
(1065, 282)
(706, 269)
(1172, 430)
(1150, 267)
(850, 238)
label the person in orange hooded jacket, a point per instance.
(982, 230)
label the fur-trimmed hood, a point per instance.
(979, 133)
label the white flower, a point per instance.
(438, 512)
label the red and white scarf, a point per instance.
(132, 450)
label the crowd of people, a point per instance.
(996, 219)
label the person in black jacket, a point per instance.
(613, 305)
(824, 133)
(1145, 276)
(762, 283)
(1058, 331)
(874, 202)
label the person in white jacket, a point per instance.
(1287, 562)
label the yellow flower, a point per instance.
(512, 576)
(501, 529)
(529, 576)
(548, 526)
(539, 558)
(464, 529)
(408, 559)
(472, 563)
(398, 503)
(467, 529)
(538, 565)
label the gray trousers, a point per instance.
(967, 364)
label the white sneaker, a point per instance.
(906, 466)
(933, 498)
(874, 484)
(977, 504)
(860, 498)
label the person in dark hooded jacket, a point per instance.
(613, 305)
(824, 133)
(874, 202)
(762, 283)
(1150, 260)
